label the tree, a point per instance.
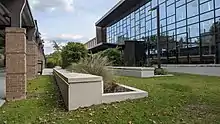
(55, 58)
(72, 53)
(57, 53)
(56, 46)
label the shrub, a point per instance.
(160, 71)
(114, 55)
(72, 53)
(95, 65)
(50, 64)
(54, 59)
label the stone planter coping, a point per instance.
(134, 68)
(71, 77)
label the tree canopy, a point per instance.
(72, 53)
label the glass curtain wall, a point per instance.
(189, 29)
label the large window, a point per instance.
(187, 27)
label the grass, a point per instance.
(182, 99)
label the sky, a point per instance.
(68, 20)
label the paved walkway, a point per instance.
(2, 102)
(47, 71)
(210, 71)
(2, 83)
(2, 86)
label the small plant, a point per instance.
(95, 65)
(160, 71)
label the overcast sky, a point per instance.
(68, 20)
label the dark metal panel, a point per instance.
(218, 53)
(4, 16)
(15, 7)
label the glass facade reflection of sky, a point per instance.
(187, 22)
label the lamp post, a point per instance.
(157, 8)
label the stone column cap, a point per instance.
(15, 30)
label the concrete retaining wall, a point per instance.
(78, 90)
(83, 90)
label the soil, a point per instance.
(115, 88)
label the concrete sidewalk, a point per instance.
(2, 83)
(209, 70)
(2, 86)
(47, 71)
(2, 102)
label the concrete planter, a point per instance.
(83, 90)
(122, 96)
(141, 72)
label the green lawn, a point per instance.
(182, 99)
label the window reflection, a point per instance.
(181, 13)
(181, 23)
(171, 10)
(161, 1)
(182, 48)
(207, 6)
(181, 30)
(162, 11)
(206, 25)
(207, 15)
(208, 44)
(171, 20)
(192, 8)
(180, 2)
(174, 27)
(193, 30)
(154, 25)
(193, 46)
(217, 12)
(163, 22)
(170, 2)
(217, 3)
(193, 20)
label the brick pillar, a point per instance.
(15, 63)
(31, 60)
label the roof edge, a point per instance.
(110, 11)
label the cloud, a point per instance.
(48, 47)
(70, 36)
(51, 5)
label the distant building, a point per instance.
(91, 43)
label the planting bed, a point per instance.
(83, 90)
